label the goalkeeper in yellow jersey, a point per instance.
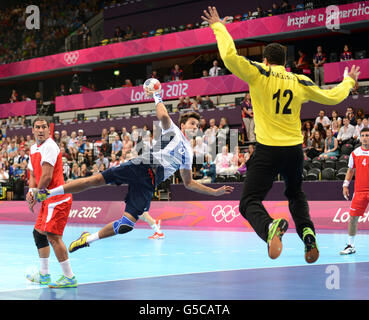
(276, 97)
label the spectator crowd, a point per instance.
(58, 20)
(327, 135)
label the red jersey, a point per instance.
(47, 152)
(359, 160)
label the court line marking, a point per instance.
(189, 273)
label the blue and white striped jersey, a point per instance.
(171, 150)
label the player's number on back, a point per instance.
(286, 93)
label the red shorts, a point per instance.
(359, 203)
(54, 214)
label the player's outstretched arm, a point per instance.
(337, 94)
(235, 63)
(193, 185)
(161, 110)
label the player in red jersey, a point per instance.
(46, 171)
(359, 160)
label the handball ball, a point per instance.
(152, 84)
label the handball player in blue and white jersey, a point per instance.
(171, 152)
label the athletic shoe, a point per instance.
(81, 242)
(64, 282)
(40, 194)
(348, 250)
(157, 236)
(311, 248)
(274, 241)
(39, 278)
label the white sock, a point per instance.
(92, 237)
(156, 228)
(351, 241)
(44, 266)
(67, 269)
(56, 191)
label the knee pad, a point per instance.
(40, 239)
(123, 225)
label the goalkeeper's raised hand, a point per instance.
(211, 16)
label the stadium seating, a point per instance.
(347, 148)
(300, 7)
(341, 173)
(313, 174)
(220, 178)
(304, 174)
(317, 163)
(328, 174)
(341, 164)
(232, 178)
(361, 54)
(307, 164)
(330, 163)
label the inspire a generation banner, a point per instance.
(331, 18)
(209, 215)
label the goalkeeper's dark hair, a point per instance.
(275, 53)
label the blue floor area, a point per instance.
(205, 265)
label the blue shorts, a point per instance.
(141, 185)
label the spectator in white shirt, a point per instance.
(64, 137)
(365, 123)
(134, 134)
(358, 127)
(112, 135)
(223, 163)
(200, 150)
(336, 117)
(215, 69)
(323, 119)
(125, 133)
(210, 137)
(80, 136)
(72, 145)
(4, 176)
(346, 132)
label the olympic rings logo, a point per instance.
(71, 57)
(228, 213)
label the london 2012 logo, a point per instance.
(226, 213)
(71, 57)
